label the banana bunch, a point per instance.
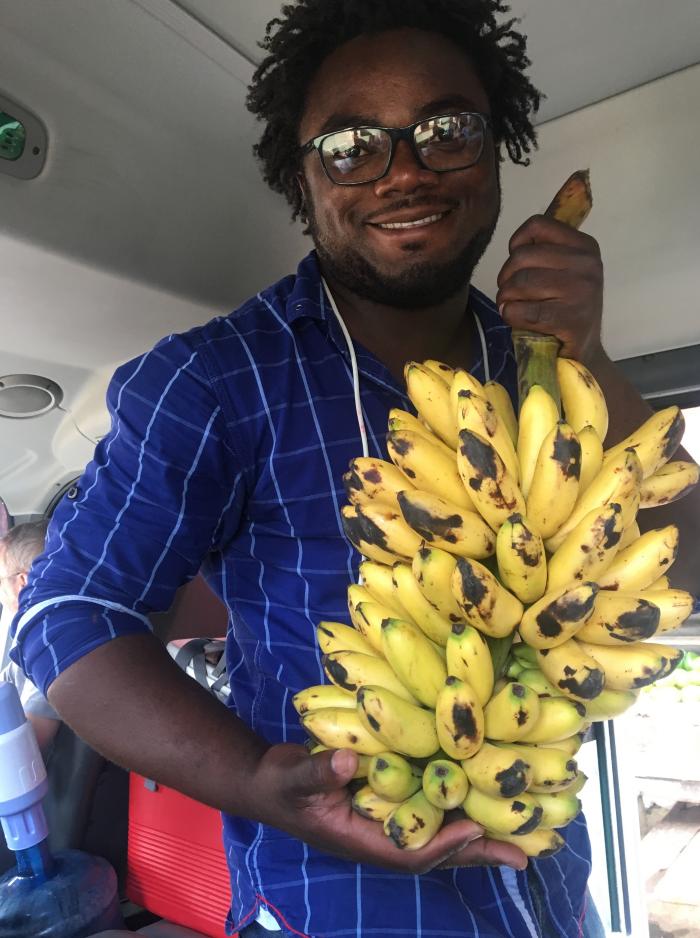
(507, 599)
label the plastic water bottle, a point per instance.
(66, 895)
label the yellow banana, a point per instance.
(368, 618)
(352, 670)
(401, 420)
(552, 769)
(503, 405)
(556, 617)
(559, 718)
(446, 372)
(359, 594)
(582, 399)
(574, 672)
(445, 525)
(610, 704)
(469, 659)
(401, 726)
(385, 528)
(374, 481)
(619, 618)
(371, 805)
(354, 526)
(539, 844)
(669, 483)
(459, 719)
(493, 490)
(591, 457)
(558, 808)
(476, 413)
(629, 536)
(340, 728)
(463, 381)
(578, 783)
(571, 744)
(617, 482)
(334, 636)
(377, 579)
(655, 441)
(538, 417)
(485, 604)
(634, 666)
(393, 777)
(663, 583)
(517, 816)
(511, 713)
(555, 482)
(417, 607)
(588, 549)
(427, 467)
(444, 784)
(674, 607)
(414, 823)
(362, 760)
(320, 696)
(644, 561)
(498, 771)
(522, 565)
(574, 201)
(433, 569)
(414, 660)
(534, 678)
(430, 395)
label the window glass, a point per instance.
(691, 439)
(12, 137)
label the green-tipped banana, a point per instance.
(352, 670)
(444, 784)
(401, 726)
(335, 636)
(555, 482)
(485, 604)
(492, 488)
(321, 696)
(620, 618)
(610, 704)
(558, 616)
(392, 776)
(469, 659)
(534, 678)
(459, 719)
(588, 550)
(552, 769)
(414, 660)
(525, 654)
(340, 728)
(539, 844)
(370, 480)
(558, 808)
(427, 467)
(519, 815)
(511, 712)
(498, 771)
(371, 805)
(433, 569)
(574, 672)
(633, 666)
(559, 719)
(414, 823)
(522, 565)
(445, 525)
(417, 607)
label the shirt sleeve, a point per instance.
(148, 509)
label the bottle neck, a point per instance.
(35, 862)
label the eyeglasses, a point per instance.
(442, 144)
(11, 576)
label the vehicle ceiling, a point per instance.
(150, 214)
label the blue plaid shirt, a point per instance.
(226, 452)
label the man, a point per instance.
(228, 445)
(18, 549)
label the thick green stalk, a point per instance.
(536, 357)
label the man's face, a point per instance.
(394, 79)
(12, 581)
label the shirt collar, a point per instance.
(307, 297)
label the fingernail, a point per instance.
(501, 308)
(342, 762)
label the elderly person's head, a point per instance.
(18, 549)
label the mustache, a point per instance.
(435, 205)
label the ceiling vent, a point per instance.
(25, 396)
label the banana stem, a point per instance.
(536, 357)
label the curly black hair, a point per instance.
(310, 30)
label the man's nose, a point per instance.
(405, 174)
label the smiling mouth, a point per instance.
(418, 223)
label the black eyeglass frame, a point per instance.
(395, 134)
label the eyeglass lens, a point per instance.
(362, 154)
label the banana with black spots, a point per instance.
(517, 816)
(469, 659)
(498, 771)
(459, 719)
(511, 713)
(539, 844)
(655, 441)
(669, 483)
(557, 617)
(559, 718)
(385, 528)
(534, 678)
(555, 481)
(377, 579)
(427, 467)
(418, 608)
(430, 395)
(414, 660)
(633, 666)
(588, 550)
(321, 696)
(433, 569)
(444, 784)
(368, 616)
(335, 636)
(492, 489)
(392, 777)
(639, 565)
(414, 823)
(402, 420)
(484, 603)
(445, 525)
(401, 726)
(503, 405)
(355, 528)
(574, 672)
(352, 670)
(374, 481)
(620, 618)
(371, 805)
(476, 413)
(591, 457)
(581, 396)
(559, 808)
(552, 769)
(674, 606)
(522, 564)
(341, 728)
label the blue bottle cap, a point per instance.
(11, 712)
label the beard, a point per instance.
(416, 285)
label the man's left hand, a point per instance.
(552, 282)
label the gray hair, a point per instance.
(22, 544)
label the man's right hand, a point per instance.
(307, 796)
